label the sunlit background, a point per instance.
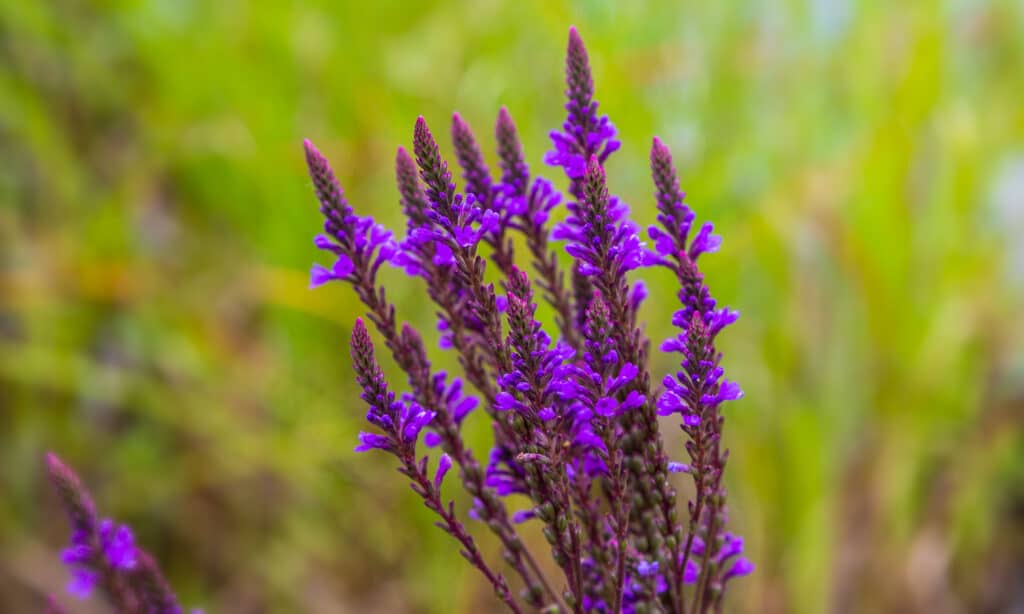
(864, 163)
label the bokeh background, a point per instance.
(863, 161)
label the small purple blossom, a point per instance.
(443, 465)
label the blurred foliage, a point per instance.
(863, 161)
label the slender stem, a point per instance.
(452, 526)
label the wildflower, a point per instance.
(573, 415)
(103, 554)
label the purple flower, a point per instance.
(118, 545)
(697, 391)
(572, 409)
(584, 134)
(103, 554)
(400, 420)
(599, 235)
(504, 474)
(359, 245)
(645, 568)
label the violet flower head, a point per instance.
(515, 173)
(459, 221)
(604, 372)
(401, 421)
(598, 233)
(584, 134)
(358, 244)
(539, 387)
(103, 554)
(474, 168)
(413, 199)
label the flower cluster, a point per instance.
(574, 415)
(584, 134)
(103, 555)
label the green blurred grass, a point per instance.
(862, 160)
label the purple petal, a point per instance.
(741, 567)
(692, 571)
(319, 275)
(431, 439)
(83, 581)
(522, 516)
(321, 241)
(371, 441)
(443, 465)
(606, 407)
(342, 267)
(729, 391)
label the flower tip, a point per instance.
(659, 149)
(56, 466)
(443, 465)
(460, 129)
(311, 151)
(423, 139)
(577, 51)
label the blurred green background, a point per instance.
(863, 161)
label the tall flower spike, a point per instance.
(103, 554)
(474, 169)
(531, 206)
(359, 245)
(674, 216)
(459, 224)
(76, 500)
(401, 424)
(433, 168)
(584, 134)
(698, 390)
(515, 173)
(480, 185)
(414, 201)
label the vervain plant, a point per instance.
(103, 555)
(575, 421)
